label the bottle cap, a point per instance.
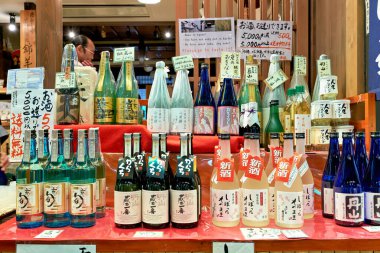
(375, 134)
(252, 136)
(288, 136)
(274, 136)
(127, 136)
(359, 134)
(204, 65)
(300, 89)
(68, 133)
(224, 136)
(274, 58)
(300, 135)
(55, 134)
(249, 59)
(290, 92)
(136, 135)
(273, 103)
(347, 134)
(323, 57)
(334, 135)
(162, 136)
(155, 137)
(160, 65)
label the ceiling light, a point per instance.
(71, 34)
(168, 35)
(12, 22)
(149, 1)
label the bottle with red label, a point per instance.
(288, 189)
(249, 148)
(255, 188)
(225, 206)
(228, 109)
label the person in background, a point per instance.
(4, 161)
(85, 50)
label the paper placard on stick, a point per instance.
(124, 54)
(324, 67)
(278, 78)
(230, 66)
(62, 82)
(32, 78)
(183, 62)
(300, 65)
(252, 73)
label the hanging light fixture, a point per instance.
(12, 22)
(149, 1)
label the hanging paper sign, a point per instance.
(324, 67)
(139, 160)
(156, 168)
(125, 168)
(63, 81)
(233, 247)
(185, 167)
(230, 66)
(276, 155)
(261, 38)
(225, 171)
(278, 78)
(32, 78)
(256, 167)
(251, 73)
(300, 65)
(183, 62)
(244, 159)
(124, 54)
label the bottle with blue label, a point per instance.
(361, 158)
(228, 109)
(348, 190)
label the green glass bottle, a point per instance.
(104, 102)
(274, 124)
(56, 186)
(98, 163)
(43, 147)
(83, 186)
(68, 147)
(127, 96)
(29, 174)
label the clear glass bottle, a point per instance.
(29, 190)
(228, 110)
(302, 119)
(289, 111)
(298, 79)
(361, 158)
(316, 95)
(43, 147)
(68, 147)
(274, 124)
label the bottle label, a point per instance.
(80, 151)
(328, 85)
(183, 206)
(302, 124)
(256, 167)
(288, 124)
(228, 120)
(91, 148)
(372, 206)
(244, 159)
(185, 167)
(82, 199)
(204, 120)
(249, 114)
(283, 171)
(26, 156)
(156, 168)
(55, 198)
(217, 154)
(321, 110)
(54, 150)
(276, 153)
(127, 110)
(127, 207)
(226, 170)
(125, 168)
(181, 120)
(289, 207)
(66, 149)
(341, 110)
(303, 168)
(255, 204)
(292, 176)
(103, 109)
(67, 108)
(328, 200)
(155, 206)
(271, 176)
(271, 201)
(226, 205)
(29, 199)
(158, 120)
(349, 207)
(140, 162)
(100, 192)
(308, 198)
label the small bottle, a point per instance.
(29, 194)
(56, 186)
(361, 158)
(328, 178)
(83, 186)
(43, 147)
(371, 183)
(348, 190)
(228, 110)
(68, 147)
(274, 124)
(127, 197)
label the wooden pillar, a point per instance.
(49, 38)
(28, 39)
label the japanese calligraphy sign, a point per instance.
(260, 233)
(124, 54)
(28, 39)
(261, 38)
(300, 65)
(40, 248)
(31, 109)
(276, 153)
(64, 81)
(156, 168)
(217, 154)
(244, 159)
(324, 67)
(373, 39)
(185, 167)
(139, 160)
(31, 78)
(328, 85)
(230, 66)
(252, 73)
(226, 170)
(256, 167)
(183, 62)
(125, 168)
(278, 78)
(283, 170)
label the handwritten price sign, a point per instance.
(183, 62)
(124, 54)
(252, 73)
(230, 67)
(276, 79)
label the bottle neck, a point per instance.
(273, 67)
(128, 75)
(82, 151)
(375, 147)
(347, 147)
(68, 149)
(334, 146)
(94, 148)
(300, 146)
(360, 145)
(274, 142)
(155, 148)
(288, 148)
(253, 145)
(228, 93)
(43, 151)
(136, 145)
(225, 148)
(30, 154)
(57, 150)
(184, 147)
(163, 145)
(127, 147)
(274, 113)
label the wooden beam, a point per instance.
(28, 39)
(180, 12)
(302, 36)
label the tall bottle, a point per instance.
(255, 188)
(68, 147)
(104, 96)
(127, 96)
(43, 147)
(96, 160)
(29, 191)
(298, 79)
(127, 197)
(68, 98)
(56, 186)
(225, 197)
(228, 110)
(250, 148)
(302, 120)
(289, 111)
(274, 124)
(83, 186)
(348, 190)
(181, 112)
(204, 106)
(250, 106)
(361, 158)
(159, 102)
(328, 178)
(288, 190)
(317, 86)
(155, 190)
(196, 172)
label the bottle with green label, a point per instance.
(68, 147)
(274, 124)
(43, 147)
(298, 79)
(29, 192)
(316, 91)
(104, 96)
(127, 96)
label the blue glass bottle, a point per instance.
(348, 190)
(29, 174)
(204, 106)
(43, 147)
(329, 173)
(371, 183)
(361, 158)
(83, 186)
(56, 186)
(228, 109)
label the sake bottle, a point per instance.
(274, 124)
(302, 120)
(371, 183)
(56, 186)
(288, 190)
(139, 156)
(228, 111)
(181, 112)
(196, 172)
(204, 106)
(298, 79)
(127, 96)
(255, 189)
(43, 147)
(248, 149)
(127, 196)
(289, 111)
(317, 86)
(68, 147)
(165, 156)
(306, 176)
(29, 191)
(328, 177)
(104, 96)
(348, 190)
(361, 158)
(159, 102)
(225, 191)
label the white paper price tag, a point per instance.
(252, 73)
(124, 54)
(46, 234)
(300, 65)
(230, 66)
(183, 62)
(324, 67)
(372, 229)
(328, 85)
(64, 82)
(294, 233)
(278, 78)
(148, 234)
(260, 233)
(40, 248)
(233, 247)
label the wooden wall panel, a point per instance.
(28, 39)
